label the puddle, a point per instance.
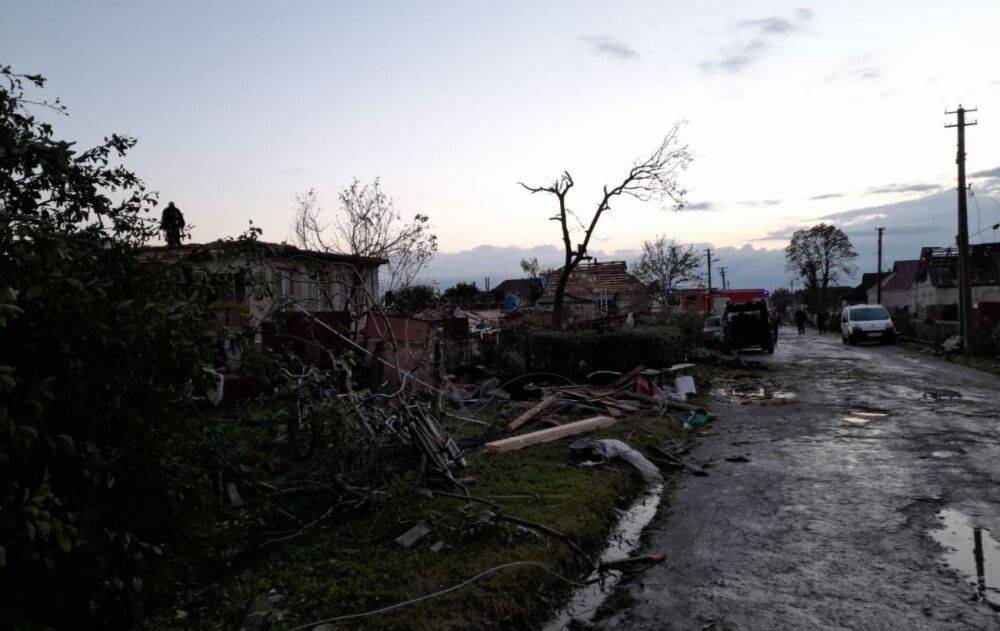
(855, 421)
(860, 419)
(623, 543)
(946, 454)
(735, 395)
(973, 552)
(940, 393)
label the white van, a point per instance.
(866, 323)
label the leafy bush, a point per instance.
(97, 355)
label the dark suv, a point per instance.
(747, 325)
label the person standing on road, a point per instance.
(821, 318)
(800, 320)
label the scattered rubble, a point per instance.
(609, 449)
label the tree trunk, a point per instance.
(557, 301)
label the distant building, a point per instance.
(935, 288)
(896, 286)
(859, 294)
(599, 289)
(517, 292)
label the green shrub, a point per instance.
(97, 356)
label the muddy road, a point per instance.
(856, 502)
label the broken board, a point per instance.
(532, 413)
(548, 435)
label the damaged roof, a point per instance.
(591, 279)
(940, 265)
(903, 275)
(198, 251)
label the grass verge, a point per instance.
(351, 564)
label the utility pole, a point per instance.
(964, 288)
(879, 290)
(709, 302)
(708, 254)
(722, 273)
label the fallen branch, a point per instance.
(552, 532)
(646, 559)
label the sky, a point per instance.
(794, 112)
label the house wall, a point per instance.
(985, 293)
(924, 294)
(316, 286)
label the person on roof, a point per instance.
(172, 224)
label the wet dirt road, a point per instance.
(834, 521)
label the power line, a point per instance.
(979, 214)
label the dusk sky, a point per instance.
(794, 111)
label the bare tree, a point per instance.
(819, 255)
(668, 264)
(367, 224)
(651, 178)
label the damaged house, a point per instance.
(896, 286)
(262, 279)
(934, 293)
(596, 290)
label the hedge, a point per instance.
(577, 353)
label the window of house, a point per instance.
(283, 283)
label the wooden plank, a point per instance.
(532, 413)
(548, 435)
(413, 535)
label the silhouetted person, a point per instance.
(172, 222)
(821, 319)
(800, 320)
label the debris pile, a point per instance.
(561, 406)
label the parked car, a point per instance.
(866, 323)
(711, 333)
(747, 325)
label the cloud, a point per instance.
(735, 58)
(293, 170)
(989, 174)
(771, 25)
(781, 234)
(858, 70)
(754, 39)
(761, 202)
(928, 220)
(609, 46)
(915, 187)
(699, 206)
(826, 196)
